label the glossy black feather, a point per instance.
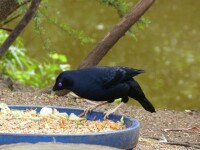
(104, 84)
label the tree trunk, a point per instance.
(20, 26)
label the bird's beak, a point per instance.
(53, 92)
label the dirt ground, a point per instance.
(162, 130)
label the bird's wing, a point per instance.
(119, 74)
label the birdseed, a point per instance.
(51, 122)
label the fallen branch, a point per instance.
(171, 142)
(20, 26)
(186, 144)
(181, 129)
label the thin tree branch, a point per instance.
(6, 29)
(119, 30)
(20, 26)
(9, 20)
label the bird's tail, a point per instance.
(147, 105)
(137, 93)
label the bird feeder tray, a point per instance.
(123, 139)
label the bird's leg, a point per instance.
(86, 100)
(123, 100)
(92, 108)
(95, 106)
(98, 105)
(107, 113)
(90, 102)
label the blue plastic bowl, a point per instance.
(123, 139)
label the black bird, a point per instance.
(102, 83)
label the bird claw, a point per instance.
(107, 113)
(92, 108)
(86, 111)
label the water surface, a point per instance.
(168, 49)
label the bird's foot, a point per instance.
(84, 113)
(91, 108)
(87, 110)
(107, 113)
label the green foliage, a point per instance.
(77, 34)
(122, 8)
(143, 22)
(38, 23)
(22, 10)
(20, 1)
(140, 25)
(17, 65)
(42, 16)
(120, 5)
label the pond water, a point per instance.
(168, 49)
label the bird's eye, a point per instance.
(59, 84)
